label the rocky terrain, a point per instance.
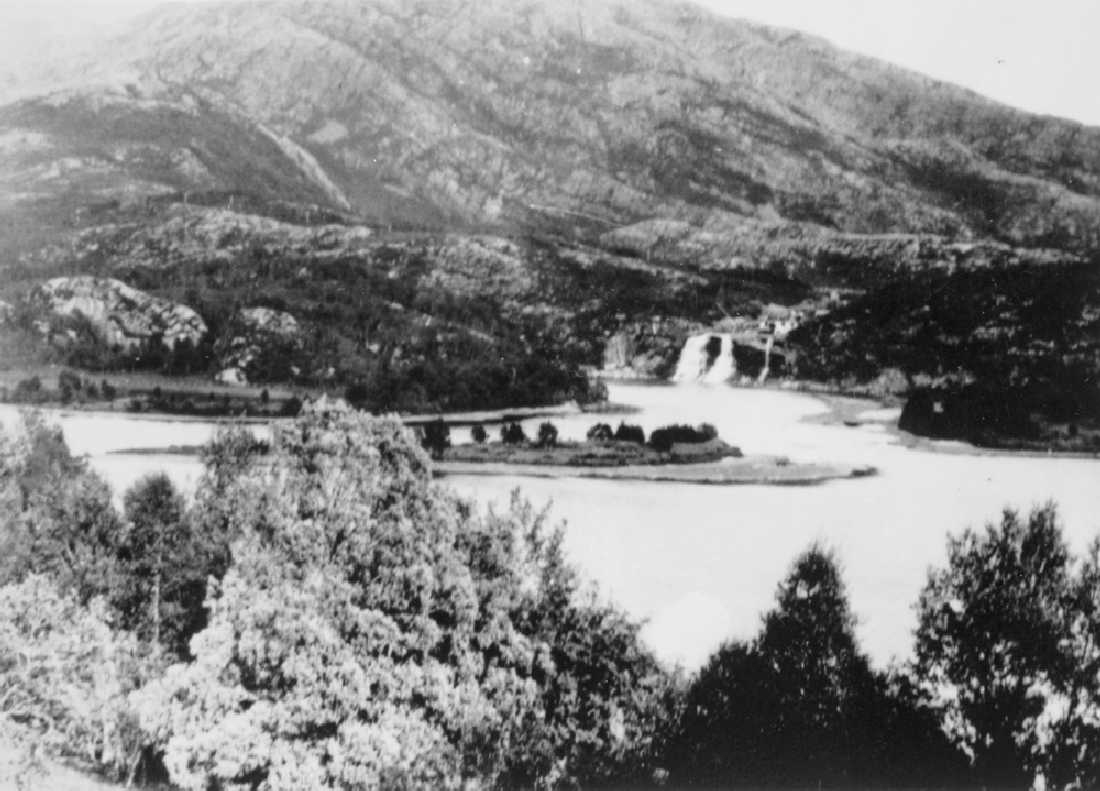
(421, 187)
(256, 333)
(120, 317)
(587, 117)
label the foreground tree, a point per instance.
(992, 643)
(373, 632)
(58, 518)
(165, 560)
(801, 706)
(65, 677)
(1073, 741)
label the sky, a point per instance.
(1040, 56)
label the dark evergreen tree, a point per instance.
(512, 434)
(548, 435)
(164, 566)
(801, 707)
(436, 438)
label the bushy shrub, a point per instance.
(548, 435)
(357, 394)
(70, 380)
(59, 518)
(436, 438)
(65, 676)
(662, 439)
(28, 390)
(478, 434)
(600, 432)
(630, 433)
(512, 434)
(150, 566)
(597, 392)
(291, 407)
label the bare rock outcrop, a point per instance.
(646, 350)
(121, 316)
(204, 234)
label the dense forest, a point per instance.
(320, 614)
(1001, 355)
(372, 329)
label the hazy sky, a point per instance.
(1041, 56)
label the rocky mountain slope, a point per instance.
(421, 183)
(595, 115)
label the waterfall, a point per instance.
(692, 365)
(724, 366)
(767, 358)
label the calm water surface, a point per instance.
(701, 563)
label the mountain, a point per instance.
(506, 115)
(708, 164)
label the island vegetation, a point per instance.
(626, 446)
(358, 626)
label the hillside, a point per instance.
(509, 114)
(686, 165)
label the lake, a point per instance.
(701, 563)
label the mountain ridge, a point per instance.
(509, 116)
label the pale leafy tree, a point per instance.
(372, 631)
(994, 644)
(59, 516)
(65, 677)
(605, 702)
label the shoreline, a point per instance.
(746, 471)
(845, 410)
(472, 417)
(842, 408)
(729, 471)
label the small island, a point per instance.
(675, 453)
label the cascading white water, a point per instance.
(695, 365)
(692, 365)
(767, 358)
(724, 366)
